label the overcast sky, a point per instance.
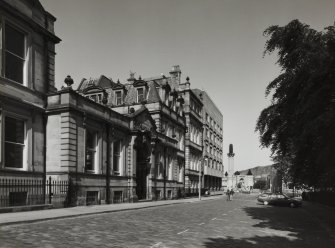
(217, 43)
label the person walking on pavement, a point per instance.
(231, 194)
(228, 195)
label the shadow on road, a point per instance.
(277, 227)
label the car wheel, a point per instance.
(266, 203)
(292, 205)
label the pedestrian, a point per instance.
(228, 195)
(231, 194)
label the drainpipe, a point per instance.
(164, 175)
(44, 155)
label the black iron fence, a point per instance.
(20, 192)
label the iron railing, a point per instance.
(20, 192)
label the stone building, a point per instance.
(212, 140)
(106, 141)
(193, 138)
(158, 168)
(27, 63)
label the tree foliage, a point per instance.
(260, 184)
(299, 124)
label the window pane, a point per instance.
(89, 159)
(14, 41)
(14, 130)
(14, 68)
(90, 139)
(118, 98)
(90, 150)
(140, 95)
(14, 155)
(116, 158)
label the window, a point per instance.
(14, 142)
(140, 95)
(118, 97)
(95, 97)
(100, 98)
(91, 150)
(14, 54)
(116, 157)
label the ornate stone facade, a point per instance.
(160, 175)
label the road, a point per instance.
(212, 223)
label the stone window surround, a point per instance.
(27, 139)
(116, 97)
(144, 93)
(27, 70)
(121, 158)
(97, 155)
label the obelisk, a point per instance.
(231, 154)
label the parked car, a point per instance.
(279, 200)
(263, 197)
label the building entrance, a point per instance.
(142, 166)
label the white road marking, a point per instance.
(224, 214)
(201, 224)
(217, 219)
(214, 219)
(183, 231)
(156, 245)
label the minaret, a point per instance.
(231, 155)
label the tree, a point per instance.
(260, 184)
(299, 124)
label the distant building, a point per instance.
(244, 182)
(268, 175)
(212, 141)
(193, 109)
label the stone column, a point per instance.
(132, 171)
(151, 177)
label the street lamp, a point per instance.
(200, 169)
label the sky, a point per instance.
(219, 44)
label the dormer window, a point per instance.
(140, 95)
(95, 97)
(118, 97)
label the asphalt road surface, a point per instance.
(212, 223)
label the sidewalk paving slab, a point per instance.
(59, 213)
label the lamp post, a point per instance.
(200, 169)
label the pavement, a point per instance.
(49, 214)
